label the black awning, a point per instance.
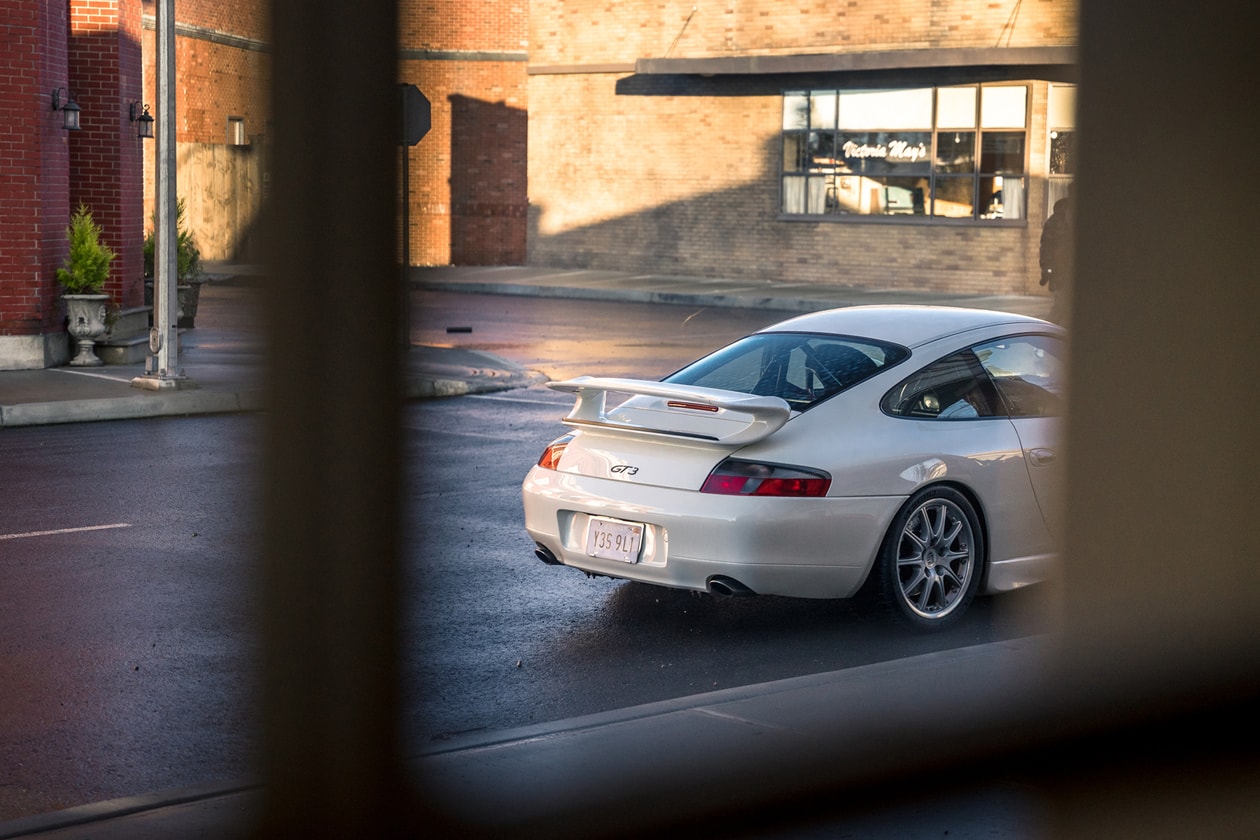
(1061, 56)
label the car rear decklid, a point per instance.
(663, 409)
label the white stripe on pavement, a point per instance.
(64, 531)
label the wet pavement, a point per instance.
(563, 778)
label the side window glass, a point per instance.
(953, 388)
(1028, 372)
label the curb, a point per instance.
(98, 813)
(129, 408)
(731, 300)
(630, 295)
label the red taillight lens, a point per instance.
(551, 455)
(733, 477)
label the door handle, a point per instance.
(1043, 457)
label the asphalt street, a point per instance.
(551, 777)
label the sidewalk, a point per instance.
(636, 771)
(650, 765)
(223, 356)
(699, 291)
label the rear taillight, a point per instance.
(733, 477)
(551, 455)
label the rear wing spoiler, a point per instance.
(711, 415)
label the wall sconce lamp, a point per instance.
(69, 108)
(145, 128)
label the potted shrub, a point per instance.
(188, 275)
(83, 277)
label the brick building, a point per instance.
(86, 52)
(891, 144)
(468, 204)
(468, 176)
(914, 144)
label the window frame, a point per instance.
(1015, 405)
(816, 186)
(1060, 117)
(998, 398)
(897, 405)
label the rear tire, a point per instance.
(931, 560)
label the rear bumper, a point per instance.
(803, 548)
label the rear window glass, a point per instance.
(802, 368)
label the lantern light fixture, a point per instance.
(62, 101)
(145, 120)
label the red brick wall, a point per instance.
(89, 50)
(34, 163)
(682, 176)
(468, 176)
(244, 18)
(222, 70)
(215, 79)
(469, 25)
(106, 155)
(468, 183)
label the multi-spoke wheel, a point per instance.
(931, 560)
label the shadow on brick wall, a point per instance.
(738, 229)
(489, 198)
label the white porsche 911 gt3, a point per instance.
(910, 450)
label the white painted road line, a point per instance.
(64, 531)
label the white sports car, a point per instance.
(910, 449)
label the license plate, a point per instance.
(612, 539)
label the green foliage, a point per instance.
(187, 254)
(87, 265)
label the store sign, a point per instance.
(894, 151)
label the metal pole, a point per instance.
(162, 367)
(404, 307)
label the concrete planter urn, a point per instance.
(86, 316)
(188, 274)
(83, 278)
(187, 296)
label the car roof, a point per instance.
(909, 326)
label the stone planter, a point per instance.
(186, 298)
(86, 316)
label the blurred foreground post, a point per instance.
(330, 562)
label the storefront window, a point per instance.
(1061, 122)
(954, 153)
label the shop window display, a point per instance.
(944, 153)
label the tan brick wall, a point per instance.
(623, 176)
(599, 31)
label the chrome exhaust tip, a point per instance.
(544, 554)
(728, 587)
